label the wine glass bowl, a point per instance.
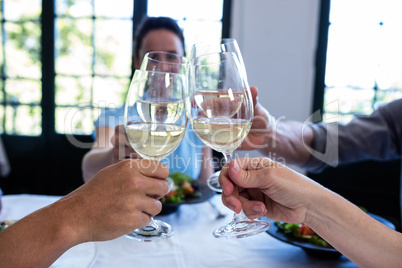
(221, 109)
(155, 122)
(158, 97)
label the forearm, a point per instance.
(36, 240)
(288, 140)
(95, 160)
(353, 232)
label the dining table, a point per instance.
(192, 244)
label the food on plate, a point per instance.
(302, 232)
(5, 224)
(184, 188)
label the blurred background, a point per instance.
(63, 60)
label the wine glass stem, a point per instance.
(237, 216)
(228, 157)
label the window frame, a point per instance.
(321, 56)
(320, 88)
(48, 80)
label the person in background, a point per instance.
(117, 200)
(111, 145)
(317, 146)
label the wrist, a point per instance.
(326, 210)
(317, 205)
(66, 227)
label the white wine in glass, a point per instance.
(222, 134)
(155, 122)
(154, 140)
(220, 109)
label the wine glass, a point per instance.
(155, 122)
(220, 109)
(224, 45)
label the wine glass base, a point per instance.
(160, 231)
(240, 229)
(213, 182)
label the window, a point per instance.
(364, 56)
(20, 112)
(63, 60)
(200, 20)
(93, 43)
(358, 67)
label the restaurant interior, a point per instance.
(62, 61)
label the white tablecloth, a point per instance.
(191, 246)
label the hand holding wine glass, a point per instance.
(220, 109)
(155, 124)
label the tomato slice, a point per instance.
(305, 230)
(171, 193)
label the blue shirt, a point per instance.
(187, 158)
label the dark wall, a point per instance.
(43, 167)
(373, 185)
